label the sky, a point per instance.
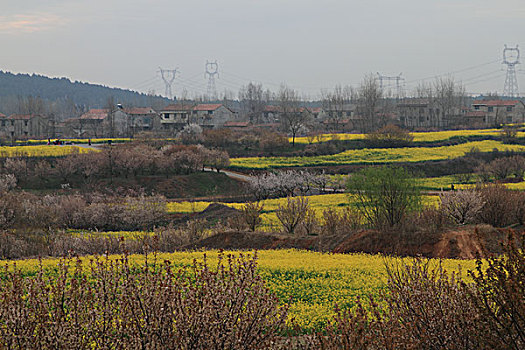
(309, 45)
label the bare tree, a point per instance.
(369, 96)
(252, 101)
(336, 104)
(449, 96)
(111, 109)
(293, 117)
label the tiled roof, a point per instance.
(206, 107)
(496, 103)
(177, 108)
(139, 110)
(271, 108)
(315, 109)
(95, 114)
(20, 116)
(2, 115)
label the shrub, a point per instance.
(385, 195)
(499, 296)
(113, 304)
(390, 135)
(251, 214)
(498, 205)
(292, 213)
(461, 206)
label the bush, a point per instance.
(292, 213)
(461, 206)
(498, 206)
(113, 304)
(385, 195)
(251, 214)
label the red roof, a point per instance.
(20, 116)
(95, 114)
(476, 114)
(139, 110)
(496, 103)
(177, 107)
(2, 115)
(315, 110)
(272, 108)
(207, 107)
(236, 124)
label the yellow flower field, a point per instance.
(269, 219)
(375, 155)
(314, 283)
(430, 136)
(41, 151)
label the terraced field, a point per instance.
(430, 136)
(375, 156)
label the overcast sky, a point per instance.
(308, 44)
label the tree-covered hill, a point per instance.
(16, 87)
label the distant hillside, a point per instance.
(14, 86)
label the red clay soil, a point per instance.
(463, 243)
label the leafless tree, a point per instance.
(292, 116)
(449, 96)
(369, 96)
(336, 104)
(252, 101)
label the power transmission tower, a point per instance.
(212, 70)
(511, 57)
(398, 79)
(168, 76)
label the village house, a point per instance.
(497, 112)
(212, 116)
(24, 126)
(415, 113)
(98, 123)
(142, 119)
(175, 116)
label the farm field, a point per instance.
(314, 283)
(430, 136)
(375, 156)
(269, 219)
(41, 151)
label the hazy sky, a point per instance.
(308, 44)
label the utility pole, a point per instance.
(511, 57)
(168, 76)
(212, 70)
(398, 79)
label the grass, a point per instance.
(375, 156)
(314, 283)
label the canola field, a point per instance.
(41, 151)
(375, 156)
(430, 136)
(319, 203)
(313, 283)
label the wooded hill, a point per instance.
(62, 91)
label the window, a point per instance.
(210, 112)
(25, 122)
(491, 109)
(509, 119)
(476, 107)
(3, 122)
(509, 109)
(166, 116)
